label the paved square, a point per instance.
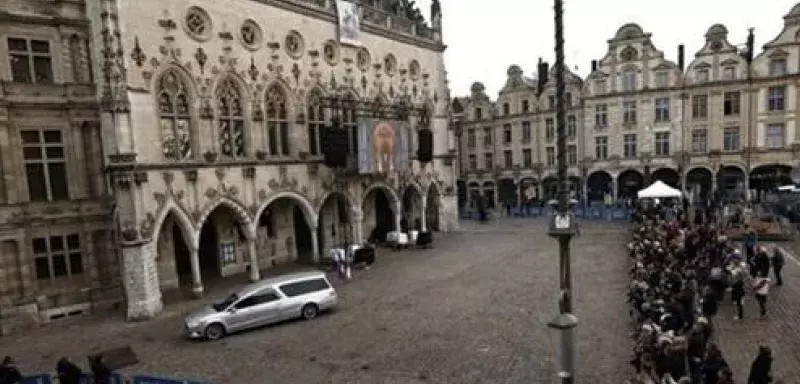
(472, 310)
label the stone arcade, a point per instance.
(211, 116)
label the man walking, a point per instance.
(761, 286)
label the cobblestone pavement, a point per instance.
(739, 340)
(472, 310)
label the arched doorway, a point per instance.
(528, 191)
(767, 177)
(172, 254)
(507, 191)
(379, 216)
(333, 223)
(432, 208)
(222, 241)
(575, 187)
(668, 176)
(629, 183)
(474, 194)
(550, 187)
(412, 209)
(599, 186)
(699, 184)
(283, 233)
(730, 183)
(489, 196)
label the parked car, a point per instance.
(297, 295)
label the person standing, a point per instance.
(737, 293)
(761, 286)
(761, 369)
(778, 260)
(761, 262)
(68, 372)
(100, 371)
(9, 374)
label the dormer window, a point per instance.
(506, 109)
(525, 106)
(777, 67)
(662, 79)
(478, 114)
(551, 102)
(629, 80)
(599, 87)
(729, 73)
(701, 75)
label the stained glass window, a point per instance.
(173, 107)
(231, 119)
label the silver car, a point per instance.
(303, 294)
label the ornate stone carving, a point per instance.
(262, 195)
(220, 173)
(284, 182)
(147, 225)
(140, 178)
(123, 180)
(249, 172)
(129, 231)
(190, 175)
(211, 193)
(137, 54)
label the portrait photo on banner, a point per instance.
(383, 146)
(349, 23)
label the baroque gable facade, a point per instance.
(718, 126)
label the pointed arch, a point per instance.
(230, 97)
(308, 210)
(175, 99)
(238, 210)
(188, 230)
(348, 197)
(390, 192)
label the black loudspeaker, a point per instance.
(335, 145)
(425, 145)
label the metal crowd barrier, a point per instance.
(46, 378)
(599, 213)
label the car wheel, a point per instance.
(215, 331)
(310, 311)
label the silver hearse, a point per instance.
(303, 294)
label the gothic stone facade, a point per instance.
(56, 246)
(211, 115)
(716, 127)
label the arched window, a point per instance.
(629, 80)
(277, 122)
(316, 122)
(349, 121)
(231, 119)
(175, 117)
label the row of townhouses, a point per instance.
(719, 126)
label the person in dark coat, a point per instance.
(68, 372)
(737, 293)
(100, 371)
(760, 371)
(761, 262)
(713, 365)
(9, 374)
(778, 260)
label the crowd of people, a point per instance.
(67, 372)
(680, 275)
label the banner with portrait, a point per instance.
(382, 146)
(349, 22)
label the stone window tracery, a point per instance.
(316, 122)
(294, 44)
(175, 116)
(629, 54)
(251, 35)
(231, 120)
(277, 121)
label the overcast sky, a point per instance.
(485, 37)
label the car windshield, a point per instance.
(224, 304)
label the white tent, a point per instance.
(659, 190)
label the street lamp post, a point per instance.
(562, 226)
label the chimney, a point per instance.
(541, 75)
(750, 45)
(594, 65)
(680, 57)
